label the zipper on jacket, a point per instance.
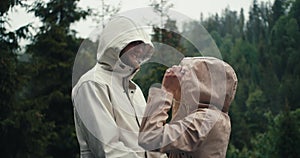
(126, 88)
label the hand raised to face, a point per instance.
(172, 79)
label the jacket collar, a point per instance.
(119, 69)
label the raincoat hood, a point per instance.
(210, 81)
(117, 34)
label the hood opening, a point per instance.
(118, 33)
(211, 82)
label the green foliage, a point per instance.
(255, 114)
(52, 58)
(167, 48)
(22, 127)
(284, 44)
(265, 56)
(282, 137)
(288, 132)
(37, 118)
(5, 5)
(60, 13)
(53, 52)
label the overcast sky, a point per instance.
(190, 8)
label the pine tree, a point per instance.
(19, 123)
(53, 51)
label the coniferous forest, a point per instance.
(36, 111)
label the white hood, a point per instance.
(116, 35)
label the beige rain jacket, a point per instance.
(200, 125)
(108, 106)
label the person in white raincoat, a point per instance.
(200, 92)
(108, 106)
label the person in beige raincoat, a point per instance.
(199, 92)
(108, 105)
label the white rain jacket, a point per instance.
(200, 125)
(108, 106)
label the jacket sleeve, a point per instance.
(182, 135)
(96, 122)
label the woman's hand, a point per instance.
(172, 79)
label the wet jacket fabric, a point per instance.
(108, 106)
(200, 125)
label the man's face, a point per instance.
(134, 53)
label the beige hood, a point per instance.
(116, 35)
(208, 81)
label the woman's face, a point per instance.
(134, 54)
